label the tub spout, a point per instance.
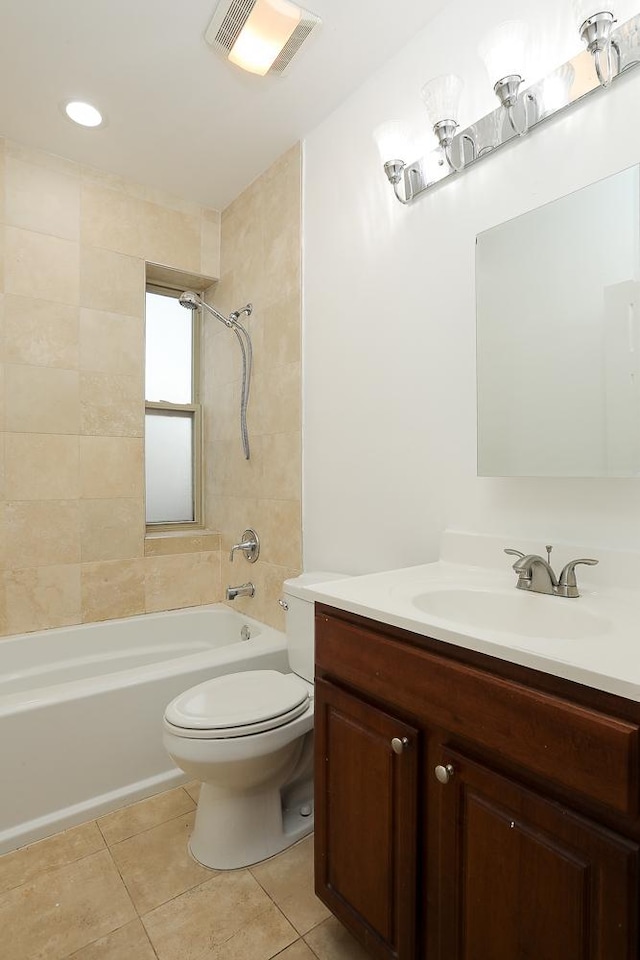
(245, 590)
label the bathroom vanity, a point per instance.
(471, 806)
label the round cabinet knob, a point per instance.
(444, 773)
(398, 744)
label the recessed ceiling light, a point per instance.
(83, 113)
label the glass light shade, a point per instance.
(583, 9)
(441, 97)
(504, 50)
(266, 31)
(83, 113)
(394, 141)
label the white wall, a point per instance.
(389, 324)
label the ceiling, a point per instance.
(178, 117)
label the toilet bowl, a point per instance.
(248, 737)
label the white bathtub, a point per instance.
(81, 710)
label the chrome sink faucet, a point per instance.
(536, 575)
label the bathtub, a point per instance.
(81, 710)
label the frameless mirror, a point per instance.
(558, 337)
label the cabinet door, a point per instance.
(519, 876)
(365, 820)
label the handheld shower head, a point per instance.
(189, 300)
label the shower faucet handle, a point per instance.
(250, 546)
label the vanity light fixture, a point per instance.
(260, 36)
(611, 50)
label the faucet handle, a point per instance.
(514, 553)
(567, 582)
(250, 545)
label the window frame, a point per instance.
(194, 409)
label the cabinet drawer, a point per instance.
(585, 750)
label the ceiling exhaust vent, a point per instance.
(261, 36)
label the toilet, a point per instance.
(248, 737)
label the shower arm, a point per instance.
(228, 321)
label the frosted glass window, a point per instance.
(169, 466)
(169, 350)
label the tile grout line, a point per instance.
(54, 866)
(176, 896)
(137, 912)
(154, 826)
(281, 912)
(139, 915)
(122, 880)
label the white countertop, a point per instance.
(596, 637)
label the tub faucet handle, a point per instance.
(250, 546)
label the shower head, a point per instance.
(189, 300)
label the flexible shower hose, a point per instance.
(247, 363)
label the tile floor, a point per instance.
(125, 888)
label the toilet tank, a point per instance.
(299, 620)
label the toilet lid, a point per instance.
(254, 697)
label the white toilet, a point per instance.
(249, 738)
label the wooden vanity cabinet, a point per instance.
(470, 809)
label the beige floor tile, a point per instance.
(22, 866)
(144, 815)
(156, 865)
(127, 943)
(288, 879)
(297, 951)
(228, 918)
(331, 941)
(63, 910)
(193, 789)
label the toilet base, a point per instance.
(233, 830)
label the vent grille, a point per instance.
(229, 19)
(307, 22)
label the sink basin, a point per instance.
(514, 612)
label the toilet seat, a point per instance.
(238, 704)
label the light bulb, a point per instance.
(394, 141)
(441, 97)
(504, 50)
(556, 89)
(83, 113)
(264, 34)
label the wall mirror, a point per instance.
(558, 337)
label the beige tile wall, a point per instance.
(73, 245)
(261, 264)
